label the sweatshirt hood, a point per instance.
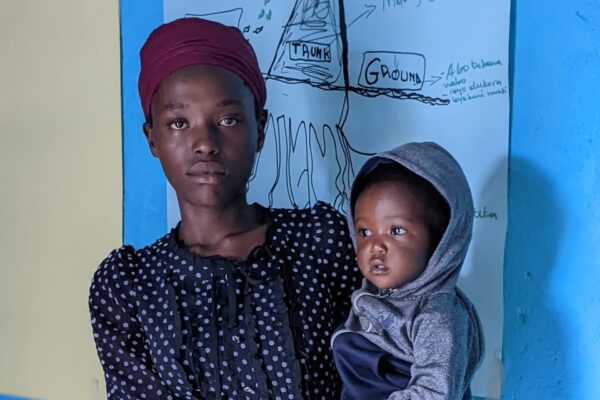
(433, 163)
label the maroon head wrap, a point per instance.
(193, 41)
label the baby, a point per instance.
(411, 333)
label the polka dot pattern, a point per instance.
(172, 325)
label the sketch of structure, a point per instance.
(313, 50)
(346, 79)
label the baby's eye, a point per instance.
(363, 232)
(228, 121)
(398, 231)
(178, 124)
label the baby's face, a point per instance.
(393, 239)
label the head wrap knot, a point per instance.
(194, 41)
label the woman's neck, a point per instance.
(230, 231)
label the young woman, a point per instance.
(238, 301)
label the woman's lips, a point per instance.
(206, 172)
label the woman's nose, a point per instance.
(205, 140)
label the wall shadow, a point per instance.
(534, 338)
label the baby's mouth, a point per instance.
(378, 267)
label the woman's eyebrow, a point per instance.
(229, 102)
(175, 106)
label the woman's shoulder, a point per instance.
(320, 227)
(118, 259)
(320, 212)
(125, 262)
(321, 223)
(110, 277)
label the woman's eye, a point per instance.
(228, 121)
(178, 124)
(397, 231)
(364, 232)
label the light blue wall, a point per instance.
(552, 269)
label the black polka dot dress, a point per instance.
(169, 324)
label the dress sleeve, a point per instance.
(120, 343)
(442, 350)
(333, 242)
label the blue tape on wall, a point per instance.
(144, 186)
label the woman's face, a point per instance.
(206, 133)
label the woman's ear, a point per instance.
(261, 123)
(147, 127)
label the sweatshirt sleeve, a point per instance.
(119, 339)
(442, 334)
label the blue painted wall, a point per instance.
(144, 186)
(552, 269)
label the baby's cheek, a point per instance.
(362, 257)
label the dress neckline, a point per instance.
(259, 252)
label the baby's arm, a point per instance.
(442, 334)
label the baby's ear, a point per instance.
(147, 128)
(261, 123)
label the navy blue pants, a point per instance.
(367, 371)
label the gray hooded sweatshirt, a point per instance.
(427, 322)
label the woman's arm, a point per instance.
(120, 342)
(332, 241)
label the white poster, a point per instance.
(346, 79)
